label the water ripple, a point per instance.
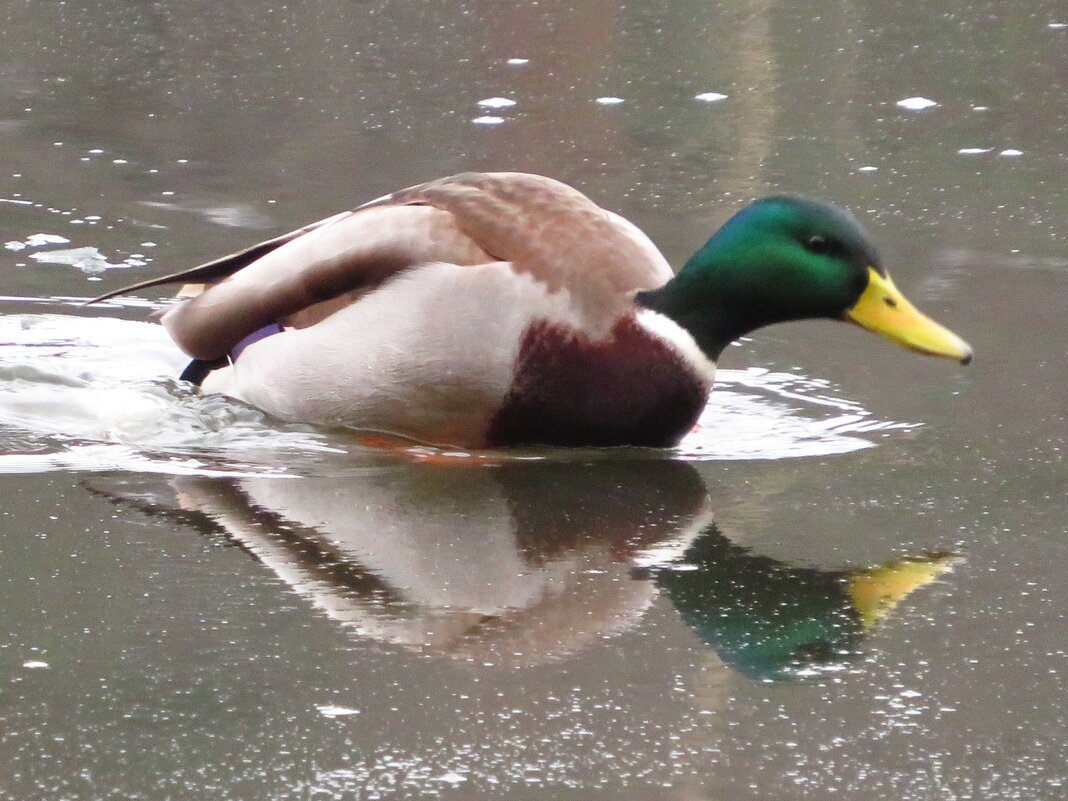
(762, 414)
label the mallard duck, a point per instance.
(492, 309)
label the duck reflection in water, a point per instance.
(523, 562)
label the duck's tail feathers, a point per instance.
(218, 269)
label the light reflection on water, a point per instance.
(101, 392)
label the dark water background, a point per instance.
(198, 603)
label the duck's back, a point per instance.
(541, 227)
(549, 230)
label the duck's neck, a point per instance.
(708, 300)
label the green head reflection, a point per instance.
(770, 620)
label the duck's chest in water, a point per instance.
(637, 386)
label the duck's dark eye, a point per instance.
(820, 245)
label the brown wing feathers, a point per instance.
(355, 252)
(541, 226)
(217, 269)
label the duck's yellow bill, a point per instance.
(883, 309)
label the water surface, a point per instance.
(846, 583)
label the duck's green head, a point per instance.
(792, 258)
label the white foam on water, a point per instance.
(36, 241)
(87, 259)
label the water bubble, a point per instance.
(452, 777)
(916, 103)
(332, 711)
(496, 102)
